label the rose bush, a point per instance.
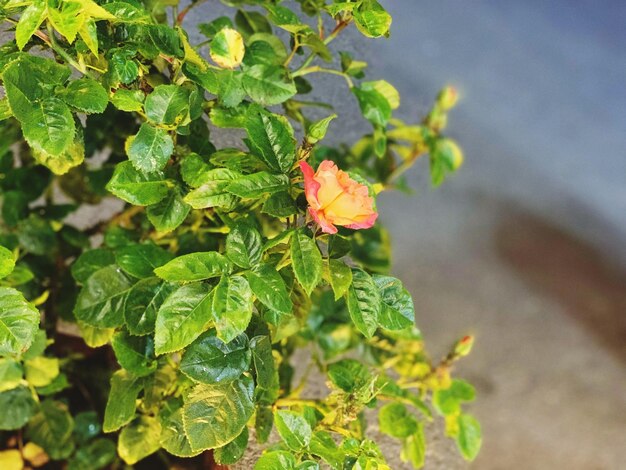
(227, 276)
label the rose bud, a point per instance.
(336, 199)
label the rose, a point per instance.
(336, 199)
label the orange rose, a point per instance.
(336, 199)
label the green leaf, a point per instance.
(18, 322)
(214, 415)
(266, 371)
(257, 184)
(36, 235)
(150, 149)
(166, 40)
(396, 421)
(184, 316)
(134, 353)
(95, 337)
(374, 106)
(49, 127)
(173, 437)
(268, 85)
(339, 277)
(469, 439)
(128, 100)
(66, 18)
(168, 105)
(169, 213)
(7, 262)
(94, 455)
(86, 426)
(11, 374)
(269, 288)
(137, 187)
(212, 190)
(372, 19)
(414, 448)
(139, 439)
(397, 310)
(30, 21)
(195, 170)
(140, 260)
(143, 302)
(349, 375)
(210, 360)
(233, 451)
(244, 246)
(17, 406)
(227, 48)
(122, 65)
(280, 204)
(87, 95)
(293, 428)
(120, 409)
(212, 28)
(448, 401)
(364, 302)
(52, 427)
(275, 460)
(194, 267)
(272, 139)
(232, 307)
(306, 260)
(91, 261)
(101, 300)
(41, 371)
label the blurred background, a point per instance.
(525, 246)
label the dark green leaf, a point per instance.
(168, 105)
(143, 302)
(268, 85)
(210, 360)
(173, 437)
(52, 427)
(212, 190)
(140, 260)
(91, 261)
(280, 204)
(266, 371)
(101, 300)
(349, 375)
(166, 40)
(95, 455)
(134, 353)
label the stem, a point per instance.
(317, 68)
(187, 9)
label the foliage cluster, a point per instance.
(171, 332)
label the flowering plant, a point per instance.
(169, 332)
